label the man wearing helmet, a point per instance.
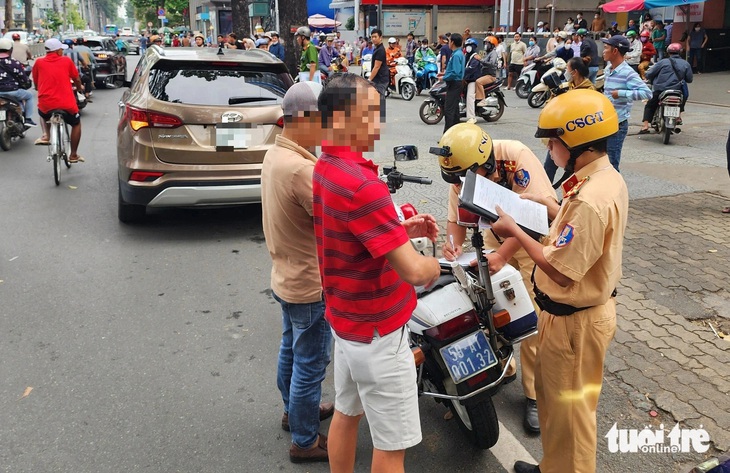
(472, 72)
(490, 68)
(667, 74)
(633, 56)
(309, 58)
(392, 52)
(513, 165)
(578, 266)
(589, 54)
(14, 82)
(622, 86)
(21, 52)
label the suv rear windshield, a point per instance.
(93, 45)
(222, 84)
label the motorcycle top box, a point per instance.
(511, 296)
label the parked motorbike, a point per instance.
(402, 83)
(427, 75)
(667, 113)
(432, 109)
(11, 122)
(464, 329)
(527, 80)
(541, 92)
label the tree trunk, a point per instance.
(8, 14)
(29, 16)
(239, 16)
(292, 16)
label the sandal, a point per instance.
(679, 121)
(644, 132)
(726, 210)
(41, 142)
(77, 159)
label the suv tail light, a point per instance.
(139, 118)
(466, 322)
(144, 176)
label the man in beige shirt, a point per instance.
(578, 268)
(517, 51)
(286, 200)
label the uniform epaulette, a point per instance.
(572, 186)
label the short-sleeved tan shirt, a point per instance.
(286, 202)
(523, 170)
(585, 242)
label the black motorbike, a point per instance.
(12, 124)
(432, 109)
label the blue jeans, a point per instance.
(304, 354)
(550, 167)
(616, 142)
(25, 97)
(592, 73)
(659, 54)
(695, 53)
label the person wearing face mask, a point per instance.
(490, 68)
(598, 24)
(647, 52)
(472, 72)
(533, 51)
(633, 57)
(569, 26)
(696, 42)
(580, 21)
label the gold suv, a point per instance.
(194, 126)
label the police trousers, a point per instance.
(568, 377)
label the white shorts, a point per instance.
(379, 379)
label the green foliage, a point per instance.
(73, 17)
(53, 20)
(146, 11)
(350, 24)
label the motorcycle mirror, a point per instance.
(405, 153)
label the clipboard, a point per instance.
(530, 216)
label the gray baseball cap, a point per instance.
(301, 97)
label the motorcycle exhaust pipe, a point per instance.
(677, 131)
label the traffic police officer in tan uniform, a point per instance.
(578, 268)
(466, 146)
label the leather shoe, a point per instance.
(315, 453)
(326, 409)
(532, 423)
(524, 467)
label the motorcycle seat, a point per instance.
(670, 93)
(10, 99)
(443, 280)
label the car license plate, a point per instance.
(3, 115)
(232, 136)
(469, 356)
(671, 112)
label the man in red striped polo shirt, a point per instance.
(368, 267)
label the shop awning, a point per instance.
(429, 3)
(618, 6)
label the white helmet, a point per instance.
(6, 44)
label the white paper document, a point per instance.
(463, 260)
(527, 213)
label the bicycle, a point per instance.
(59, 144)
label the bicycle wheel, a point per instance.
(55, 149)
(66, 145)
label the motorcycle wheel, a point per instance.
(478, 422)
(407, 91)
(496, 116)
(430, 112)
(667, 134)
(522, 89)
(5, 139)
(537, 99)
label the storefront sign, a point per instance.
(696, 12)
(400, 24)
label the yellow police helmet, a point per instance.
(578, 118)
(464, 146)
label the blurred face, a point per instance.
(364, 114)
(610, 53)
(376, 38)
(518, 36)
(198, 41)
(569, 43)
(391, 45)
(558, 152)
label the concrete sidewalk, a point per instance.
(711, 89)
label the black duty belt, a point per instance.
(556, 308)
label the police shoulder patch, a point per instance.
(565, 237)
(509, 166)
(522, 178)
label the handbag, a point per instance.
(682, 83)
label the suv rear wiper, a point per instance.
(237, 100)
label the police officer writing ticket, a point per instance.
(482, 196)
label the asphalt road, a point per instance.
(153, 347)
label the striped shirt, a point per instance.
(356, 225)
(629, 85)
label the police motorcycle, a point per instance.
(541, 92)
(432, 109)
(666, 114)
(465, 327)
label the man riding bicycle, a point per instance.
(52, 75)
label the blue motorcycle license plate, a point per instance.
(469, 356)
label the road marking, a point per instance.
(508, 449)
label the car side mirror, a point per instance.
(405, 153)
(127, 83)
